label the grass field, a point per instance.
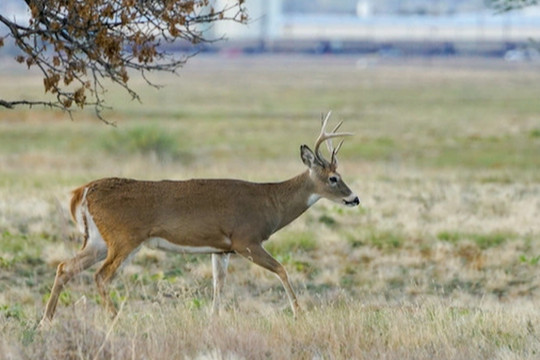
(441, 261)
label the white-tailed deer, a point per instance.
(218, 217)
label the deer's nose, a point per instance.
(352, 202)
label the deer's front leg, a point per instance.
(220, 262)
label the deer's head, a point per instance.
(327, 181)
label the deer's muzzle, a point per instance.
(352, 200)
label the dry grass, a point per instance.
(440, 262)
(340, 330)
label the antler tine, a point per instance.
(338, 147)
(329, 145)
(324, 122)
(334, 152)
(337, 127)
(323, 127)
(322, 137)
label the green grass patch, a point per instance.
(490, 153)
(328, 220)
(14, 311)
(529, 260)
(148, 140)
(535, 133)
(381, 239)
(484, 241)
(21, 248)
(291, 242)
(387, 240)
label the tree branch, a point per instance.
(30, 103)
(76, 44)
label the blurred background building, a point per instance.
(386, 27)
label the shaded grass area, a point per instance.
(168, 139)
(451, 118)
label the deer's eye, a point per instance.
(333, 180)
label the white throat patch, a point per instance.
(312, 199)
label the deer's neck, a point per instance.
(292, 197)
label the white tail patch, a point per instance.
(79, 212)
(87, 226)
(95, 240)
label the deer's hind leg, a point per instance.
(118, 252)
(93, 251)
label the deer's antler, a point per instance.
(327, 137)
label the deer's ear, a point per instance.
(307, 156)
